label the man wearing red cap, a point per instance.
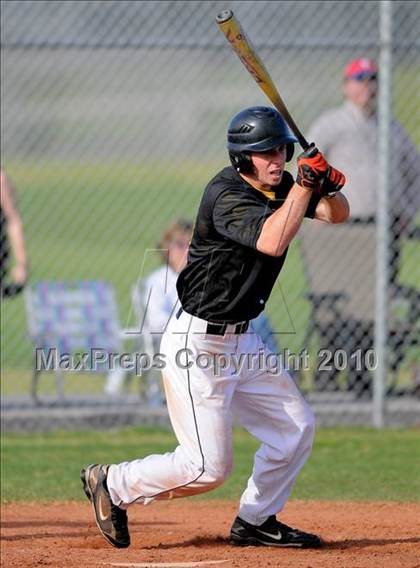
(348, 137)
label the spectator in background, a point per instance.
(348, 138)
(11, 241)
(154, 299)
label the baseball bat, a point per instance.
(239, 42)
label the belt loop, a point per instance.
(216, 328)
(241, 327)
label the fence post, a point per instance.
(382, 212)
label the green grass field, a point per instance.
(96, 221)
(346, 464)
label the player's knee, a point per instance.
(307, 428)
(300, 442)
(215, 474)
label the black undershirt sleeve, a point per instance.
(312, 205)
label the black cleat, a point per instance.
(271, 533)
(110, 519)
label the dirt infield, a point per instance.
(193, 533)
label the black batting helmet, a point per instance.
(257, 129)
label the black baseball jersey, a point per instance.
(226, 278)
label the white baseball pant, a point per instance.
(201, 406)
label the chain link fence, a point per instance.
(113, 119)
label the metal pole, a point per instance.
(382, 212)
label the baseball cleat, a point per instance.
(110, 519)
(271, 533)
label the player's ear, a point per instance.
(242, 162)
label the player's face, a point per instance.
(269, 166)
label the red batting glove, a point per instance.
(312, 169)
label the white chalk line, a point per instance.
(168, 564)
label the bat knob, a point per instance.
(224, 16)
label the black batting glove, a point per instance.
(333, 182)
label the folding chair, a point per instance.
(70, 318)
(340, 266)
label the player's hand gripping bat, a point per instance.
(247, 54)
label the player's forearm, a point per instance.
(280, 228)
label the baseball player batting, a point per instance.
(249, 213)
